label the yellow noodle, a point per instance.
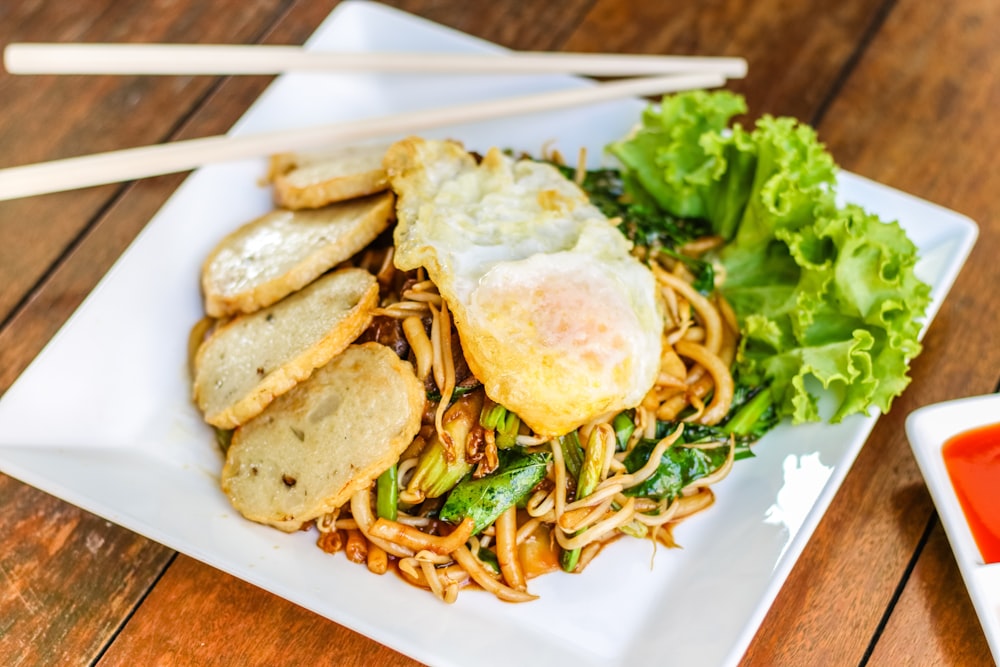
(402, 309)
(422, 297)
(580, 518)
(727, 312)
(510, 564)
(688, 505)
(701, 245)
(356, 547)
(539, 503)
(378, 560)
(599, 529)
(413, 538)
(709, 316)
(526, 529)
(482, 577)
(603, 492)
(387, 270)
(444, 373)
(361, 510)
(420, 344)
(431, 577)
(722, 396)
(640, 475)
(327, 522)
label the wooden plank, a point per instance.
(36, 232)
(226, 621)
(68, 579)
(912, 116)
(534, 26)
(796, 77)
(795, 51)
(934, 607)
(47, 117)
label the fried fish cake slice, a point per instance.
(330, 436)
(252, 359)
(312, 180)
(279, 253)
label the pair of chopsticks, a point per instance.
(657, 75)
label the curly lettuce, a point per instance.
(824, 294)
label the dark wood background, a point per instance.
(902, 91)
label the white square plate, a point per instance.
(102, 417)
(928, 428)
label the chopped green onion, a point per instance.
(624, 427)
(587, 481)
(387, 494)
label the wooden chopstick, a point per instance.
(142, 162)
(220, 59)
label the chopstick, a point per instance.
(220, 59)
(155, 160)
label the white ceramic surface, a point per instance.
(928, 428)
(102, 417)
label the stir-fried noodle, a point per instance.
(567, 512)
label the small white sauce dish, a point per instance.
(928, 429)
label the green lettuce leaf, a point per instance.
(820, 292)
(679, 160)
(849, 318)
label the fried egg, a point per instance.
(556, 318)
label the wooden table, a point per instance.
(902, 91)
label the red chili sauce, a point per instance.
(973, 462)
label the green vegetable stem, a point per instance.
(435, 474)
(387, 494)
(503, 422)
(624, 428)
(589, 478)
(572, 453)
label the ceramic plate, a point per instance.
(928, 429)
(127, 444)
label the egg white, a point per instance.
(556, 317)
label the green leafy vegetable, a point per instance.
(679, 466)
(487, 498)
(823, 294)
(645, 224)
(701, 434)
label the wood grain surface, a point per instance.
(902, 91)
